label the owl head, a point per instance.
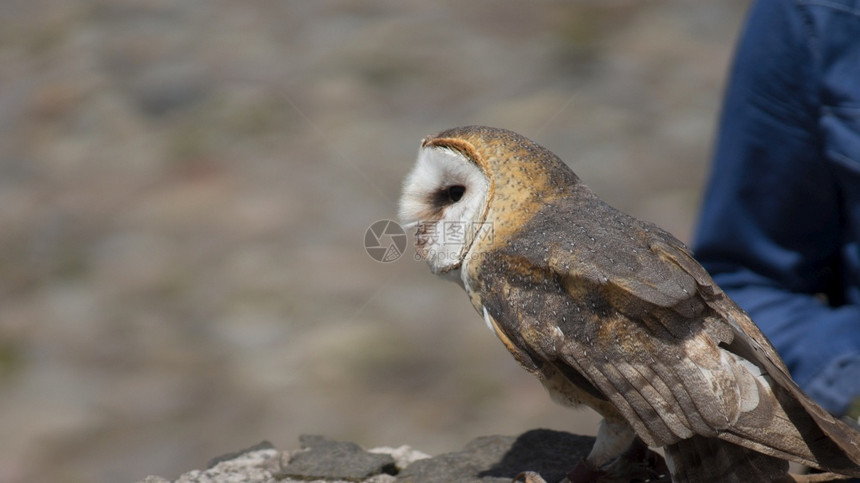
(473, 186)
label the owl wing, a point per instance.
(625, 305)
(681, 359)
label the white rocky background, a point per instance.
(185, 188)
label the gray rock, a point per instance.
(403, 455)
(264, 445)
(335, 460)
(254, 465)
(488, 459)
(500, 458)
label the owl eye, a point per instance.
(447, 196)
(455, 192)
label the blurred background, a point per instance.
(185, 189)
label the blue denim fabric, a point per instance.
(780, 225)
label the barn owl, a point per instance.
(614, 313)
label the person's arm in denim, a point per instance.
(780, 225)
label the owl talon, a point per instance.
(638, 458)
(636, 463)
(585, 473)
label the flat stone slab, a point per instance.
(336, 460)
(492, 459)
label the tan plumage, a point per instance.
(615, 313)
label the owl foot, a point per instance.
(637, 463)
(584, 473)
